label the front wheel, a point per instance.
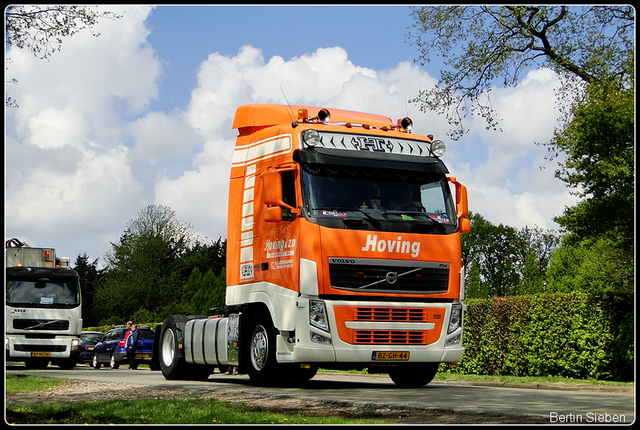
(414, 375)
(260, 355)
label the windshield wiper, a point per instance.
(437, 224)
(371, 219)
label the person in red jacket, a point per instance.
(126, 335)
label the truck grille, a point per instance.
(388, 314)
(390, 337)
(40, 348)
(32, 324)
(389, 276)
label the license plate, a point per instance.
(41, 354)
(142, 355)
(390, 355)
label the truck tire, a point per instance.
(299, 374)
(260, 354)
(413, 375)
(172, 362)
(36, 363)
(67, 364)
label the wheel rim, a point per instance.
(112, 362)
(259, 348)
(95, 361)
(168, 348)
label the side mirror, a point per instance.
(272, 188)
(272, 214)
(462, 205)
(272, 195)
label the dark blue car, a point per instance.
(111, 349)
(88, 340)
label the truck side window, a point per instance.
(288, 193)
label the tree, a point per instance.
(490, 254)
(599, 144)
(88, 272)
(159, 267)
(503, 261)
(41, 29)
(480, 44)
(144, 269)
(590, 266)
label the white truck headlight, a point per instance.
(318, 315)
(455, 320)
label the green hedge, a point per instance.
(583, 336)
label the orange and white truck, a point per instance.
(343, 252)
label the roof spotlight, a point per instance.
(438, 148)
(324, 115)
(406, 123)
(311, 138)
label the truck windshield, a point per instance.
(383, 199)
(42, 294)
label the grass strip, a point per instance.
(152, 411)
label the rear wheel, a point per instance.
(112, 361)
(414, 375)
(171, 360)
(96, 363)
(172, 363)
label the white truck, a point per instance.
(43, 307)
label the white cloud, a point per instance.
(85, 153)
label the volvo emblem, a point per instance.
(391, 277)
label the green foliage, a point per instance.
(503, 261)
(204, 291)
(88, 272)
(588, 336)
(600, 164)
(148, 269)
(590, 267)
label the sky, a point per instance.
(141, 115)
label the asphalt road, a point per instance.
(554, 405)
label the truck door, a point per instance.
(278, 227)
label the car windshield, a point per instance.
(335, 191)
(42, 294)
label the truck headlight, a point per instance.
(75, 344)
(455, 320)
(318, 315)
(319, 338)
